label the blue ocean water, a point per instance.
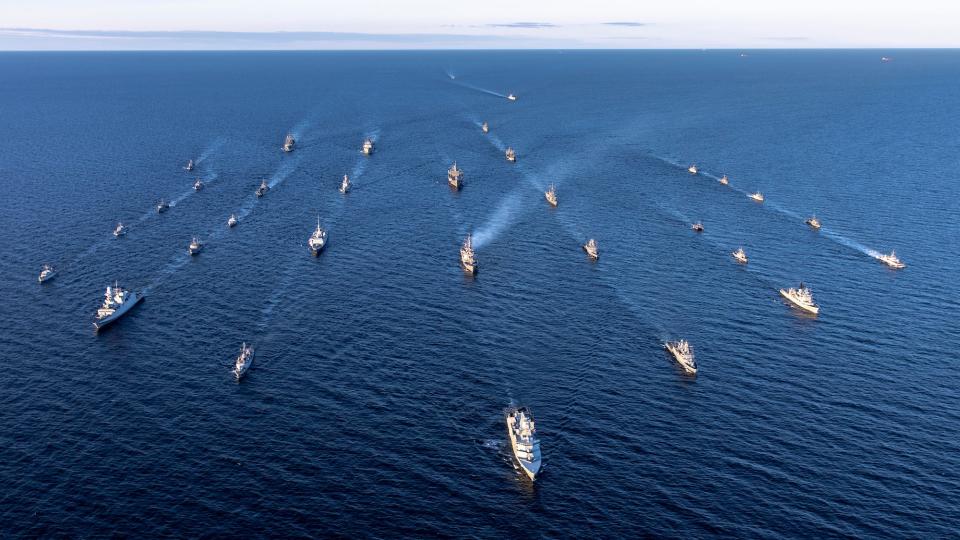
(374, 405)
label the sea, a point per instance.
(374, 407)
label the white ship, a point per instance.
(813, 222)
(120, 229)
(196, 246)
(232, 221)
(551, 195)
(345, 185)
(189, 166)
(512, 97)
(455, 176)
(693, 169)
(697, 227)
(724, 180)
(244, 361)
(591, 248)
(46, 273)
(318, 240)
(740, 255)
(511, 155)
(198, 185)
(162, 206)
(288, 143)
(263, 189)
(485, 127)
(682, 352)
(757, 196)
(891, 260)
(801, 297)
(116, 303)
(522, 432)
(367, 147)
(468, 258)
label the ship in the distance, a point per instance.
(511, 155)
(697, 227)
(189, 166)
(756, 196)
(724, 180)
(802, 297)
(682, 352)
(524, 443)
(591, 248)
(455, 176)
(740, 255)
(813, 222)
(367, 146)
(551, 195)
(512, 97)
(289, 143)
(468, 258)
(345, 185)
(116, 303)
(195, 247)
(318, 240)
(46, 273)
(485, 127)
(693, 169)
(244, 361)
(198, 185)
(162, 206)
(232, 221)
(891, 260)
(120, 229)
(263, 189)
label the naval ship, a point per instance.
(116, 303)
(162, 206)
(232, 221)
(367, 147)
(244, 361)
(512, 97)
(485, 128)
(511, 155)
(551, 195)
(697, 227)
(288, 143)
(263, 189)
(891, 260)
(724, 180)
(801, 297)
(591, 248)
(682, 352)
(196, 246)
(345, 185)
(46, 273)
(692, 169)
(756, 196)
(189, 166)
(468, 258)
(120, 229)
(455, 176)
(522, 432)
(198, 185)
(318, 240)
(740, 255)
(813, 222)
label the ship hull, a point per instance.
(529, 468)
(316, 251)
(679, 359)
(119, 313)
(814, 310)
(239, 373)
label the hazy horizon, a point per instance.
(63, 25)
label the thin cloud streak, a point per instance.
(523, 25)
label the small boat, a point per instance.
(693, 169)
(367, 147)
(511, 155)
(551, 195)
(232, 221)
(46, 273)
(345, 185)
(801, 297)
(189, 166)
(116, 303)
(485, 127)
(757, 196)
(244, 361)
(724, 180)
(591, 248)
(813, 222)
(682, 352)
(885, 59)
(455, 176)
(468, 258)
(318, 240)
(698, 227)
(522, 431)
(263, 189)
(162, 206)
(195, 247)
(198, 185)
(512, 97)
(891, 260)
(120, 229)
(288, 143)
(740, 255)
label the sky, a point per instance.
(468, 24)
